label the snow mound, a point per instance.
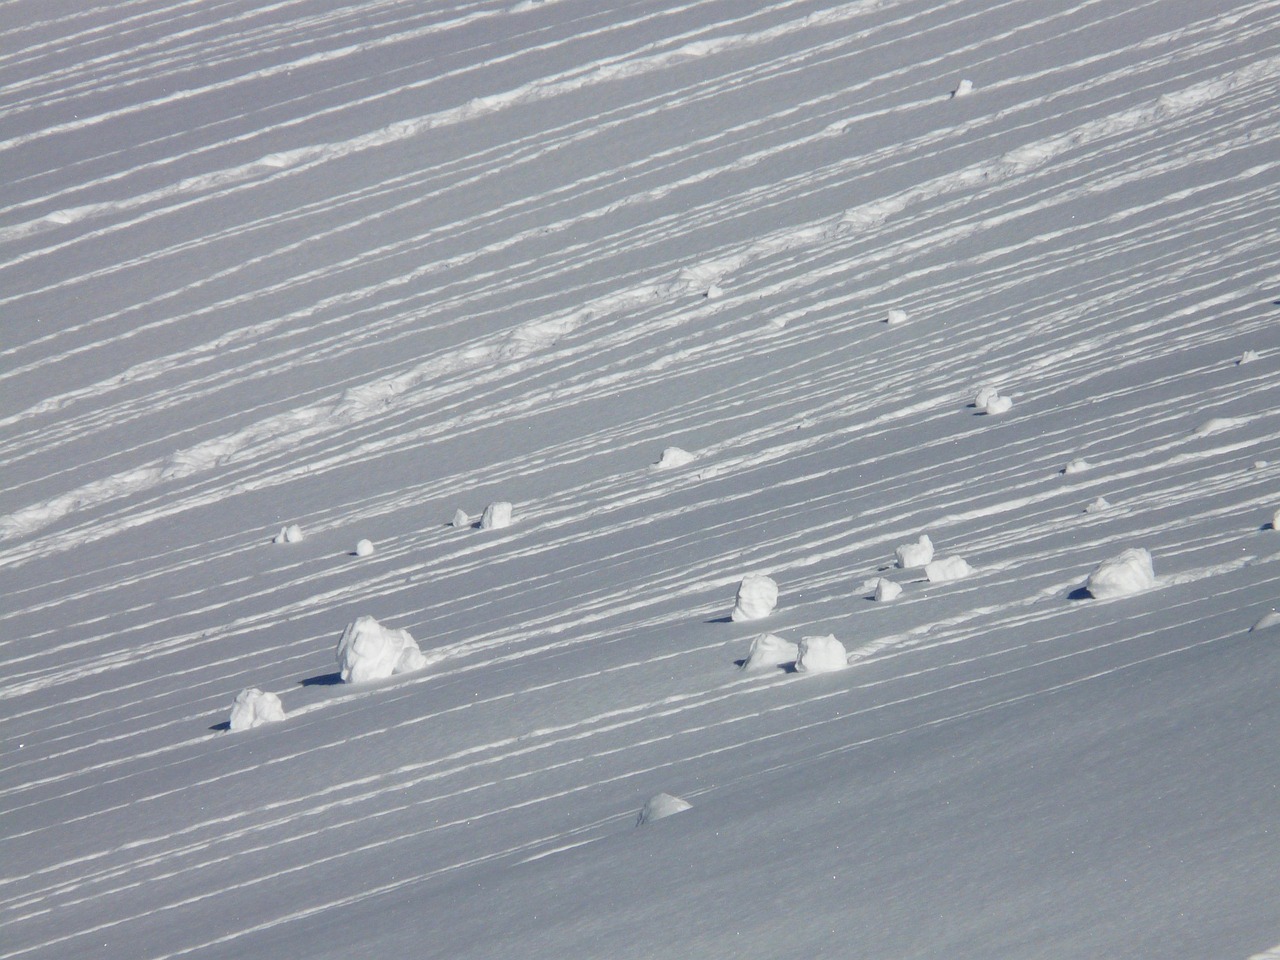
(370, 651)
(886, 589)
(821, 655)
(912, 555)
(496, 516)
(757, 596)
(364, 548)
(673, 457)
(1098, 505)
(1269, 620)
(952, 568)
(253, 708)
(770, 650)
(1130, 572)
(288, 534)
(963, 89)
(1078, 465)
(896, 317)
(661, 805)
(460, 519)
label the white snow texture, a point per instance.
(757, 596)
(370, 651)
(1130, 572)
(253, 708)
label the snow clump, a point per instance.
(964, 88)
(496, 516)
(364, 548)
(288, 534)
(661, 805)
(1130, 572)
(757, 596)
(952, 568)
(821, 655)
(886, 589)
(895, 317)
(1078, 465)
(1275, 520)
(770, 650)
(1098, 505)
(254, 708)
(1248, 357)
(673, 457)
(370, 651)
(911, 555)
(988, 400)
(460, 519)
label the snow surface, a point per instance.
(353, 265)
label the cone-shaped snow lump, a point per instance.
(1130, 572)
(660, 805)
(364, 548)
(673, 457)
(370, 651)
(886, 589)
(757, 596)
(254, 708)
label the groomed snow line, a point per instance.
(253, 708)
(1130, 572)
(370, 651)
(757, 596)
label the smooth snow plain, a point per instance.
(354, 269)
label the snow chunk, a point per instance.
(1130, 572)
(911, 555)
(253, 708)
(997, 405)
(1271, 619)
(1098, 505)
(460, 519)
(1248, 357)
(952, 568)
(1275, 520)
(661, 805)
(886, 589)
(896, 317)
(821, 655)
(770, 650)
(1078, 465)
(370, 651)
(289, 534)
(496, 516)
(673, 457)
(713, 292)
(963, 89)
(757, 596)
(364, 548)
(988, 400)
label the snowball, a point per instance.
(964, 89)
(998, 405)
(364, 548)
(370, 651)
(1098, 506)
(985, 396)
(673, 457)
(952, 568)
(290, 534)
(1248, 357)
(1078, 465)
(821, 655)
(757, 596)
(1130, 572)
(661, 805)
(896, 317)
(254, 708)
(460, 519)
(496, 516)
(911, 555)
(886, 589)
(1271, 619)
(770, 650)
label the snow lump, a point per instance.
(821, 655)
(364, 548)
(291, 533)
(1130, 572)
(911, 555)
(496, 516)
(952, 568)
(770, 650)
(661, 805)
(757, 596)
(886, 589)
(254, 708)
(673, 457)
(370, 651)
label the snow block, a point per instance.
(661, 805)
(1130, 572)
(912, 555)
(288, 534)
(1275, 520)
(757, 596)
(821, 655)
(770, 650)
(496, 516)
(370, 651)
(673, 457)
(952, 568)
(253, 708)
(364, 548)
(1249, 356)
(886, 589)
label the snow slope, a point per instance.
(361, 266)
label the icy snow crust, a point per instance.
(367, 267)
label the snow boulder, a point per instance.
(673, 457)
(370, 651)
(770, 650)
(1249, 356)
(364, 548)
(952, 568)
(1130, 572)
(288, 534)
(757, 596)
(912, 555)
(253, 708)
(661, 805)
(821, 655)
(496, 516)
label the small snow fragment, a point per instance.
(364, 548)
(912, 555)
(289, 534)
(661, 805)
(895, 317)
(757, 596)
(673, 457)
(254, 708)
(714, 292)
(964, 88)
(770, 650)
(1271, 619)
(886, 589)
(821, 655)
(370, 651)
(998, 405)
(1248, 357)
(1078, 465)
(496, 516)
(1130, 572)
(1098, 505)
(460, 519)
(952, 568)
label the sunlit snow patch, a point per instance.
(661, 805)
(496, 515)
(952, 568)
(820, 655)
(370, 651)
(912, 555)
(254, 708)
(757, 596)
(673, 457)
(289, 534)
(1130, 572)
(770, 650)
